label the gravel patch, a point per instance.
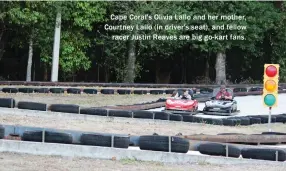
(135, 127)
(84, 100)
(24, 162)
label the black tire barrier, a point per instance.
(231, 122)
(32, 106)
(176, 117)
(9, 90)
(264, 118)
(161, 100)
(217, 149)
(207, 120)
(217, 121)
(188, 118)
(66, 108)
(254, 120)
(281, 118)
(245, 121)
(256, 89)
(161, 143)
(57, 90)
(42, 90)
(120, 91)
(120, 113)
(198, 119)
(105, 140)
(143, 114)
(273, 133)
(161, 116)
(58, 137)
(26, 90)
(107, 91)
(50, 137)
(206, 90)
(169, 91)
(7, 102)
(93, 111)
(2, 132)
(235, 90)
(35, 136)
(140, 92)
(74, 91)
(263, 154)
(230, 134)
(90, 91)
(212, 121)
(156, 91)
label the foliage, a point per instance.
(84, 41)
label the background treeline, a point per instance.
(88, 54)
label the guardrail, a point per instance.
(139, 85)
(206, 92)
(118, 141)
(134, 113)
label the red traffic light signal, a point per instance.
(271, 71)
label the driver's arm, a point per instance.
(228, 96)
(218, 95)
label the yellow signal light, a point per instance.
(270, 85)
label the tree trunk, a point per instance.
(1, 46)
(220, 68)
(45, 72)
(162, 77)
(207, 68)
(30, 60)
(106, 75)
(34, 72)
(279, 5)
(56, 49)
(184, 68)
(130, 75)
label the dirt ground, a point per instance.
(25, 162)
(133, 128)
(85, 100)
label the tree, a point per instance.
(77, 20)
(28, 16)
(257, 23)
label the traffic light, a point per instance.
(270, 87)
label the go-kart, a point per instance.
(222, 107)
(182, 106)
(203, 95)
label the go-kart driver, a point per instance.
(180, 94)
(223, 94)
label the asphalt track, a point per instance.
(248, 105)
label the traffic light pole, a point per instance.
(269, 120)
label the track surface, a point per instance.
(248, 105)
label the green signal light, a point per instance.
(269, 99)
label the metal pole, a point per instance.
(269, 120)
(226, 148)
(43, 135)
(276, 154)
(112, 141)
(170, 144)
